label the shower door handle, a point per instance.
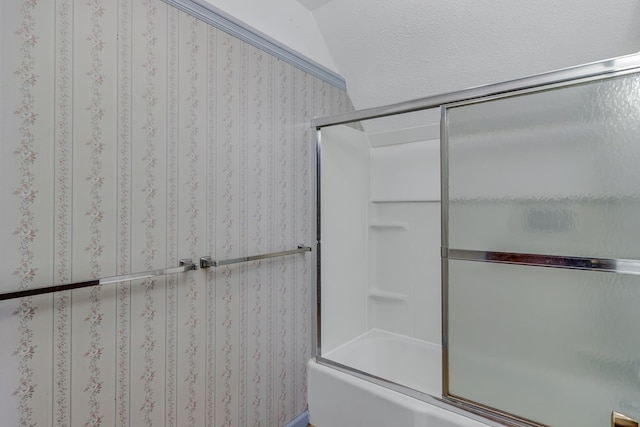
(620, 420)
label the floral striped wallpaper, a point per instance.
(134, 135)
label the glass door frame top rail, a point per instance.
(596, 69)
(565, 77)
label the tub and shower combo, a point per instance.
(479, 256)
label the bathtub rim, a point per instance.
(448, 403)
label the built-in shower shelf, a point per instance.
(380, 295)
(389, 226)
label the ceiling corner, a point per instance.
(313, 4)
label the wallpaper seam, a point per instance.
(123, 291)
(95, 248)
(227, 221)
(26, 195)
(294, 231)
(242, 380)
(172, 219)
(149, 191)
(257, 238)
(193, 349)
(305, 277)
(64, 114)
(270, 235)
(281, 304)
(211, 214)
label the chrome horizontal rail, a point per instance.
(610, 265)
(206, 262)
(593, 69)
(185, 265)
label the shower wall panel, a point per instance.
(133, 135)
(345, 189)
(404, 293)
(404, 231)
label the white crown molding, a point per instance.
(214, 16)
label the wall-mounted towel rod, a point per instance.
(206, 261)
(185, 265)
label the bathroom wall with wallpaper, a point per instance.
(134, 135)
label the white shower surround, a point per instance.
(380, 291)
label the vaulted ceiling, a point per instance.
(395, 50)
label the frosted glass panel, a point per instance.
(558, 347)
(553, 172)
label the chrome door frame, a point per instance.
(560, 78)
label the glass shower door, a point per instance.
(541, 261)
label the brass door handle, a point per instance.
(620, 420)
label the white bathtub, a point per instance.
(397, 358)
(338, 399)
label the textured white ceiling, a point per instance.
(313, 4)
(395, 50)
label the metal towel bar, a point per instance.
(185, 265)
(206, 261)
